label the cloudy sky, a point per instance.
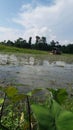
(25, 18)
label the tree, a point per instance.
(41, 43)
(53, 43)
(18, 42)
(10, 43)
(43, 40)
(37, 39)
(30, 41)
(21, 43)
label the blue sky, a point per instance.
(24, 18)
(10, 8)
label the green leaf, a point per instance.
(59, 95)
(65, 121)
(18, 97)
(44, 117)
(54, 118)
(55, 109)
(11, 91)
(1, 100)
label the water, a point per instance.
(28, 72)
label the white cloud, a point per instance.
(54, 22)
(41, 19)
(9, 33)
(37, 21)
(38, 16)
(4, 29)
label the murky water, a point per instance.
(28, 72)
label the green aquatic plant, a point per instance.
(19, 111)
(54, 118)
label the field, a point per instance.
(11, 49)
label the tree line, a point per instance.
(39, 44)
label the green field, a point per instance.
(11, 49)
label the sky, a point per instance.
(24, 18)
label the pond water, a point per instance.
(28, 72)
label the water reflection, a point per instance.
(28, 72)
(29, 60)
(21, 60)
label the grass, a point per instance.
(11, 49)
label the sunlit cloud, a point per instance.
(41, 19)
(54, 21)
(9, 33)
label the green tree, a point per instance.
(30, 42)
(9, 43)
(53, 43)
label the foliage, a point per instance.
(20, 111)
(60, 95)
(40, 44)
(53, 118)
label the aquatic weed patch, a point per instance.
(25, 112)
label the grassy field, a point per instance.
(11, 49)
